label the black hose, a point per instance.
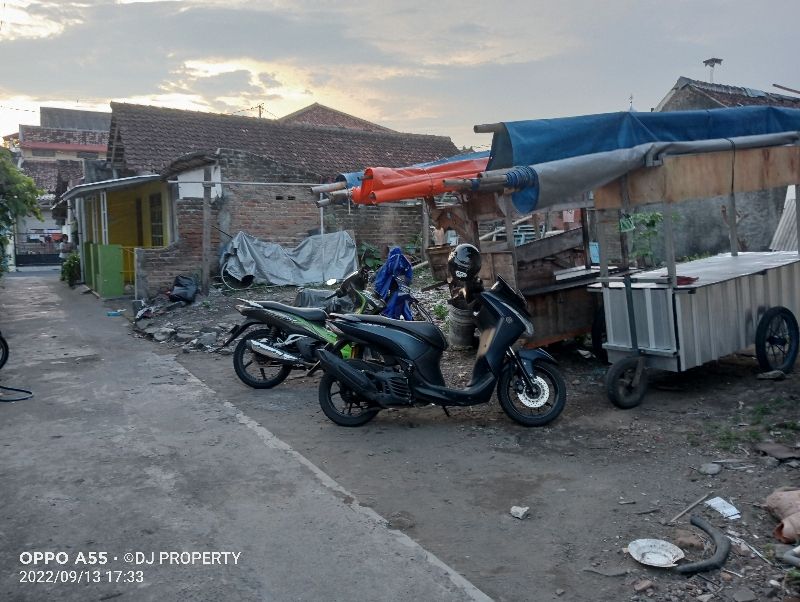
(721, 543)
(28, 394)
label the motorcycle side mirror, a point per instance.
(330, 281)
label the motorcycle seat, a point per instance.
(312, 314)
(424, 330)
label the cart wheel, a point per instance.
(777, 340)
(624, 387)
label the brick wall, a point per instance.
(281, 214)
(383, 225)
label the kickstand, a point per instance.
(445, 411)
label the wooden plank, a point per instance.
(551, 245)
(699, 176)
(496, 264)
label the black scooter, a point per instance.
(399, 364)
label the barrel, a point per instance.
(461, 327)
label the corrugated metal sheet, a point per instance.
(713, 317)
(785, 238)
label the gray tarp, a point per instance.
(565, 178)
(316, 259)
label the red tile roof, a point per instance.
(53, 176)
(148, 139)
(734, 96)
(317, 114)
(30, 134)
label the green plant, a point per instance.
(71, 269)
(370, 255)
(440, 310)
(18, 198)
(644, 227)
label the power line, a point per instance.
(260, 106)
(16, 109)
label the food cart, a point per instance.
(690, 313)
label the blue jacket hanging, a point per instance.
(390, 280)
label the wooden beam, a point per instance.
(685, 177)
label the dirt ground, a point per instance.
(594, 480)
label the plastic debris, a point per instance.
(726, 509)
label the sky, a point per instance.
(429, 67)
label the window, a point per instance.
(43, 152)
(156, 221)
(87, 155)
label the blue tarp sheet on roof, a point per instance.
(567, 156)
(544, 140)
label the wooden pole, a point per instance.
(426, 230)
(206, 228)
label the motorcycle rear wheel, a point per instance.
(532, 408)
(343, 406)
(255, 370)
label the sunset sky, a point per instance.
(425, 67)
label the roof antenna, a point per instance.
(711, 63)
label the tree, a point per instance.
(18, 198)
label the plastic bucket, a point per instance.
(461, 328)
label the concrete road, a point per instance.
(126, 477)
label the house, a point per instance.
(758, 213)
(142, 225)
(53, 154)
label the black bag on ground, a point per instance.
(183, 289)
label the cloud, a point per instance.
(416, 66)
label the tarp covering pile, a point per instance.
(316, 259)
(386, 184)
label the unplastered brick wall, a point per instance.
(382, 226)
(156, 268)
(283, 214)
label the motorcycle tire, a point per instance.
(3, 351)
(532, 408)
(255, 370)
(329, 388)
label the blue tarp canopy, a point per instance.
(619, 142)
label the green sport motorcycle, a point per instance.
(289, 336)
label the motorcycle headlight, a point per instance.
(526, 321)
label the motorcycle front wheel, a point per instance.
(255, 370)
(3, 351)
(535, 407)
(342, 405)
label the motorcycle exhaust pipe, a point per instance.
(273, 353)
(347, 375)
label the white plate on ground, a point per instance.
(655, 552)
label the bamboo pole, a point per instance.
(328, 187)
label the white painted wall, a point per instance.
(188, 186)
